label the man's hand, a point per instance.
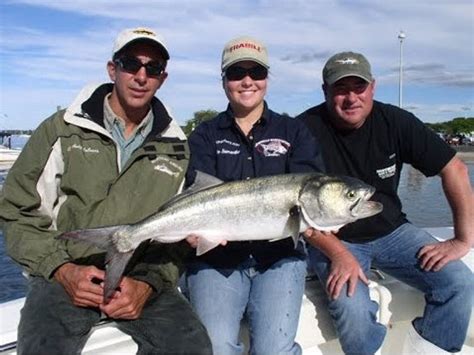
(434, 256)
(344, 266)
(344, 269)
(77, 280)
(128, 303)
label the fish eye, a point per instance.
(351, 194)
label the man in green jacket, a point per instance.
(113, 157)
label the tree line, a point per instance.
(457, 126)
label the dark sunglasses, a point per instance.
(238, 73)
(343, 88)
(133, 65)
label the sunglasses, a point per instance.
(133, 65)
(234, 73)
(345, 88)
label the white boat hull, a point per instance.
(399, 304)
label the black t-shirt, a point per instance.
(375, 153)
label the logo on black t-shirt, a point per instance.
(385, 173)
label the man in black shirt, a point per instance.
(371, 140)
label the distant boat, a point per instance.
(10, 148)
(8, 156)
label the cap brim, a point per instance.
(243, 59)
(342, 76)
(161, 47)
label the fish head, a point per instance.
(329, 202)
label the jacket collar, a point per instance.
(94, 107)
(87, 110)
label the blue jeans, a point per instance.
(50, 324)
(448, 293)
(271, 300)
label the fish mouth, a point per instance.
(363, 207)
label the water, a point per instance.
(423, 202)
(13, 284)
(423, 198)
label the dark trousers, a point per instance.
(50, 324)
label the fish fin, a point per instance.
(204, 245)
(201, 182)
(292, 226)
(100, 237)
(116, 263)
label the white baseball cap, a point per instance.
(131, 35)
(244, 48)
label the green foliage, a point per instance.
(458, 125)
(199, 117)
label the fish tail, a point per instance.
(116, 261)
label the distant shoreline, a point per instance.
(466, 156)
(465, 152)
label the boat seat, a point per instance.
(315, 325)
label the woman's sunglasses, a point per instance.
(235, 73)
(133, 65)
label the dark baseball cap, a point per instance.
(346, 64)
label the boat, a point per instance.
(398, 305)
(8, 157)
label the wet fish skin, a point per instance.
(266, 208)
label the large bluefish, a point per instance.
(271, 208)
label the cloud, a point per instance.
(53, 56)
(307, 57)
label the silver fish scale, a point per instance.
(226, 208)
(241, 210)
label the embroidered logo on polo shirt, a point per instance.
(273, 147)
(225, 146)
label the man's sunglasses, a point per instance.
(234, 73)
(133, 65)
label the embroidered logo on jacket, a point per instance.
(84, 149)
(167, 166)
(273, 147)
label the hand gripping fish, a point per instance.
(267, 208)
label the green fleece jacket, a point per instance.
(69, 177)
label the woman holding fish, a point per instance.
(263, 280)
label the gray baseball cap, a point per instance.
(346, 64)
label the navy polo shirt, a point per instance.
(275, 145)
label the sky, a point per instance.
(50, 49)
